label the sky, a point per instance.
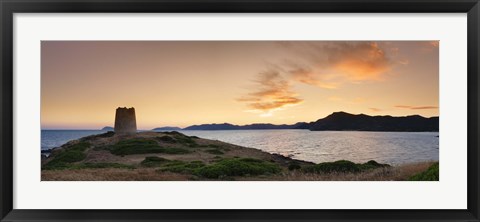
(182, 83)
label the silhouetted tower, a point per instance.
(125, 122)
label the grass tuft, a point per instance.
(223, 168)
(372, 164)
(154, 161)
(67, 155)
(166, 139)
(237, 167)
(343, 166)
(294, 166)
(431, 174)
(182, 167)
(183, 139)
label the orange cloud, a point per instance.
(374, 109)
(307, 76)
(325, 64)
(416, 107)
(361, 61)
(272, 92)
(328, 64)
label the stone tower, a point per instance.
(125, 122)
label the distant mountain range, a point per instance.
(167, 128)
(107, 128)
(337, 121)
(256, 126)
(345, 121)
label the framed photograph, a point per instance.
(239, 110)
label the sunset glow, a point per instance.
(182, 83)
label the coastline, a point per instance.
(175, 156)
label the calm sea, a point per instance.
(315, 146)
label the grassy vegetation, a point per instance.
(223, 168)
(372, 164)
(215, 151)
(294, 166)
(183, 139)
(154, 161)
(141, 146)
(55, 165)
(343, 166)
(431, 174)
(237, 167)
(166, 139)
(67, 155)
(182, 167)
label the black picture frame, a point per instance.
(9, 7)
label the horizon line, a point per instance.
(181, 128)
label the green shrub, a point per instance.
(343, 166)
(223, 168)
(142, 146)
(166, 139)
(182, 167)
(372, 164)
(237, 167)
(431, 174)
(154, 161)
(294, 166)
(70, 156)
(81, 146)
(67, 155)
(183, 139)
(55, 165)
